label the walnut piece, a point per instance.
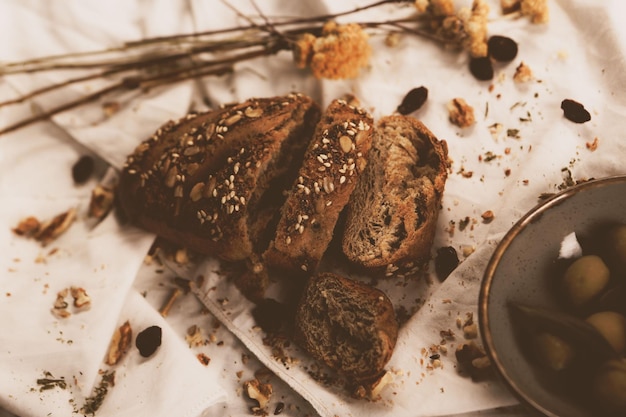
(473, 359)
(120, 343)
(523, 73)
(101, 202)
(258, 391)
(461, 113)
(52, 229)
(27, 227)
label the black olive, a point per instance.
(148, 341)
(446, 261)
(279, 408)
(481, 68)
(82, 169)
(502, 48)
(270, 315)
(413, 100)
(574, 111)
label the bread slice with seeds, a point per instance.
(392, 216)
(329, 173)
(346, 324)
(213, 181)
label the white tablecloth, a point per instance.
(579, 54)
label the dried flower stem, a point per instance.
(154, 62)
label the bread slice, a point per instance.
(213, 181)
(391, 219)
(348, 325)
(332, 164)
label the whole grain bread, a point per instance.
(213, 181)
(332, 164)
(392, 216)
(346, 324)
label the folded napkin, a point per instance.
(51, 364)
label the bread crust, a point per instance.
(346, 324)
(332, 164)
(392, 217)
(199, 181)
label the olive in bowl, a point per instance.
(537, 304)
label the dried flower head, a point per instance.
(436, 7)
(537, 10)
(476, 27)
(340, 52)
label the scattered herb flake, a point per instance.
(93, 403)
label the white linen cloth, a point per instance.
(580, 54)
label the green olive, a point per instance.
(584, 280)
(612, 326)
(609, 386)
(616, 249)
(552, 352)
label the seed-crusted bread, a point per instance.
(329, 173)
(346, 324)
(213, 181)
(392, 216)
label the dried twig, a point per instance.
(148, 63)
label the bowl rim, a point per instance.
(488, 276)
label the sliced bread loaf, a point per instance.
(392, 216)
(213, 181)
(348, 325)
(332, 164)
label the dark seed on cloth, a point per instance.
(502, 48)
(481, 68)
(148, 341)
(574, 111)
(82, 169)
(413, 100)
(446, 262)
(279, 408)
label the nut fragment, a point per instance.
(487, 216)
(101, 202)
(28, 227)
(473, 359)
(461, 113)
(52, 229)
(258, 391)
(120, 342)
(60, 306)
(82, 301)
(523, 73)
(194, 336)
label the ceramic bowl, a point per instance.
(518, 272)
